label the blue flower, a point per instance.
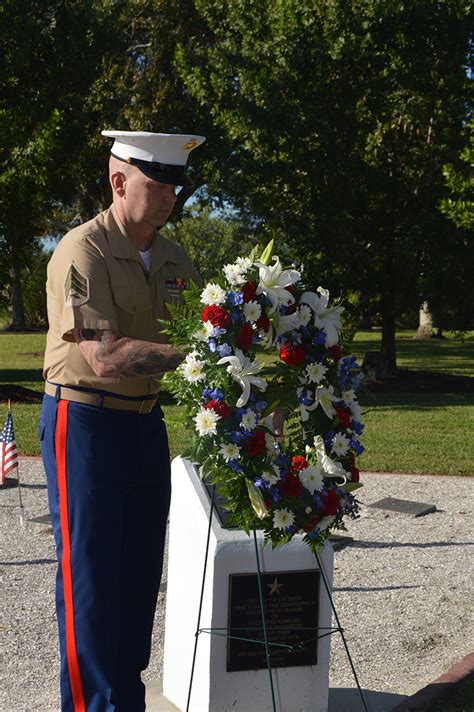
(357, 447)
(259, 483)
(236, 436)
(212, 346)
(314, 534)
(236, 298)
(291, 529)
(283, 462)
(236, 316)
(206, 394)
(320, 337)
(217, 331)
(357, 427)
(224, 350)
(317, 500)
(276, 496)
(216, 394)
(304, 399)
(234, 465)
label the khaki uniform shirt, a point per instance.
(97, 280)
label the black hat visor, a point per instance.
(162, 172)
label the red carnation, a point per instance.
(221, 409)
(291, 290)
(263, 322)
(336, 352)
(291, 486)
(218, 316)
(292, 355)
(244, 337)
(310, 523)
(299, 463)
(256, 443)
(344, 416)
(331, 504)
(249, 290)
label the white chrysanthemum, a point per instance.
(303, 315)
(325, 398)
(316, 372)
(348, 396)
(244, 263)
(272, 477)
(230, 451)
(233, 274)
(311, 478)
(252, 311)
(192, 369)
(282, 518)
(206, 421)
(213, 294)
(340, 445)
(308, 510)
(248, 421)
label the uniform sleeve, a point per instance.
(82, 289)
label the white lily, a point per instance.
(330, 467)
(325, 398)
(244, 372)
(327, 318)
(272, 282)
(306, 409)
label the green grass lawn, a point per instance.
(425, 433)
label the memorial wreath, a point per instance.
(263, 351)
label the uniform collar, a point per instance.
(122, 247)
(120, 244)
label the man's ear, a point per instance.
(117, 181)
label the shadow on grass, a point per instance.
(414, 401)
(19, 375)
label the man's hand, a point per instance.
(278, 418)
(111, 355)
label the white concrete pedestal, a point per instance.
(297, 689)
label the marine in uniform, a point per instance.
(104, 443)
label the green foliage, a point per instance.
(211, 238)
(335, 121)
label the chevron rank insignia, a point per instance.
(76, 288)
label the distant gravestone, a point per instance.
(404, 506)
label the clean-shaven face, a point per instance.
(147, 201)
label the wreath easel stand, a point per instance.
(225, 631)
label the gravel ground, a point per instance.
(401, 591)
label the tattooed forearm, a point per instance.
(114, 356)
(147, 359)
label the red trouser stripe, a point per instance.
(71, 652)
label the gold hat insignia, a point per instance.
(191, 144)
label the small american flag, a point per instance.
(8, 452)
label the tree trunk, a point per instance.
(388, 348)
(18, 312)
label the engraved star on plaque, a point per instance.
(275, 586)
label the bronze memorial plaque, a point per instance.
(291, 600)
